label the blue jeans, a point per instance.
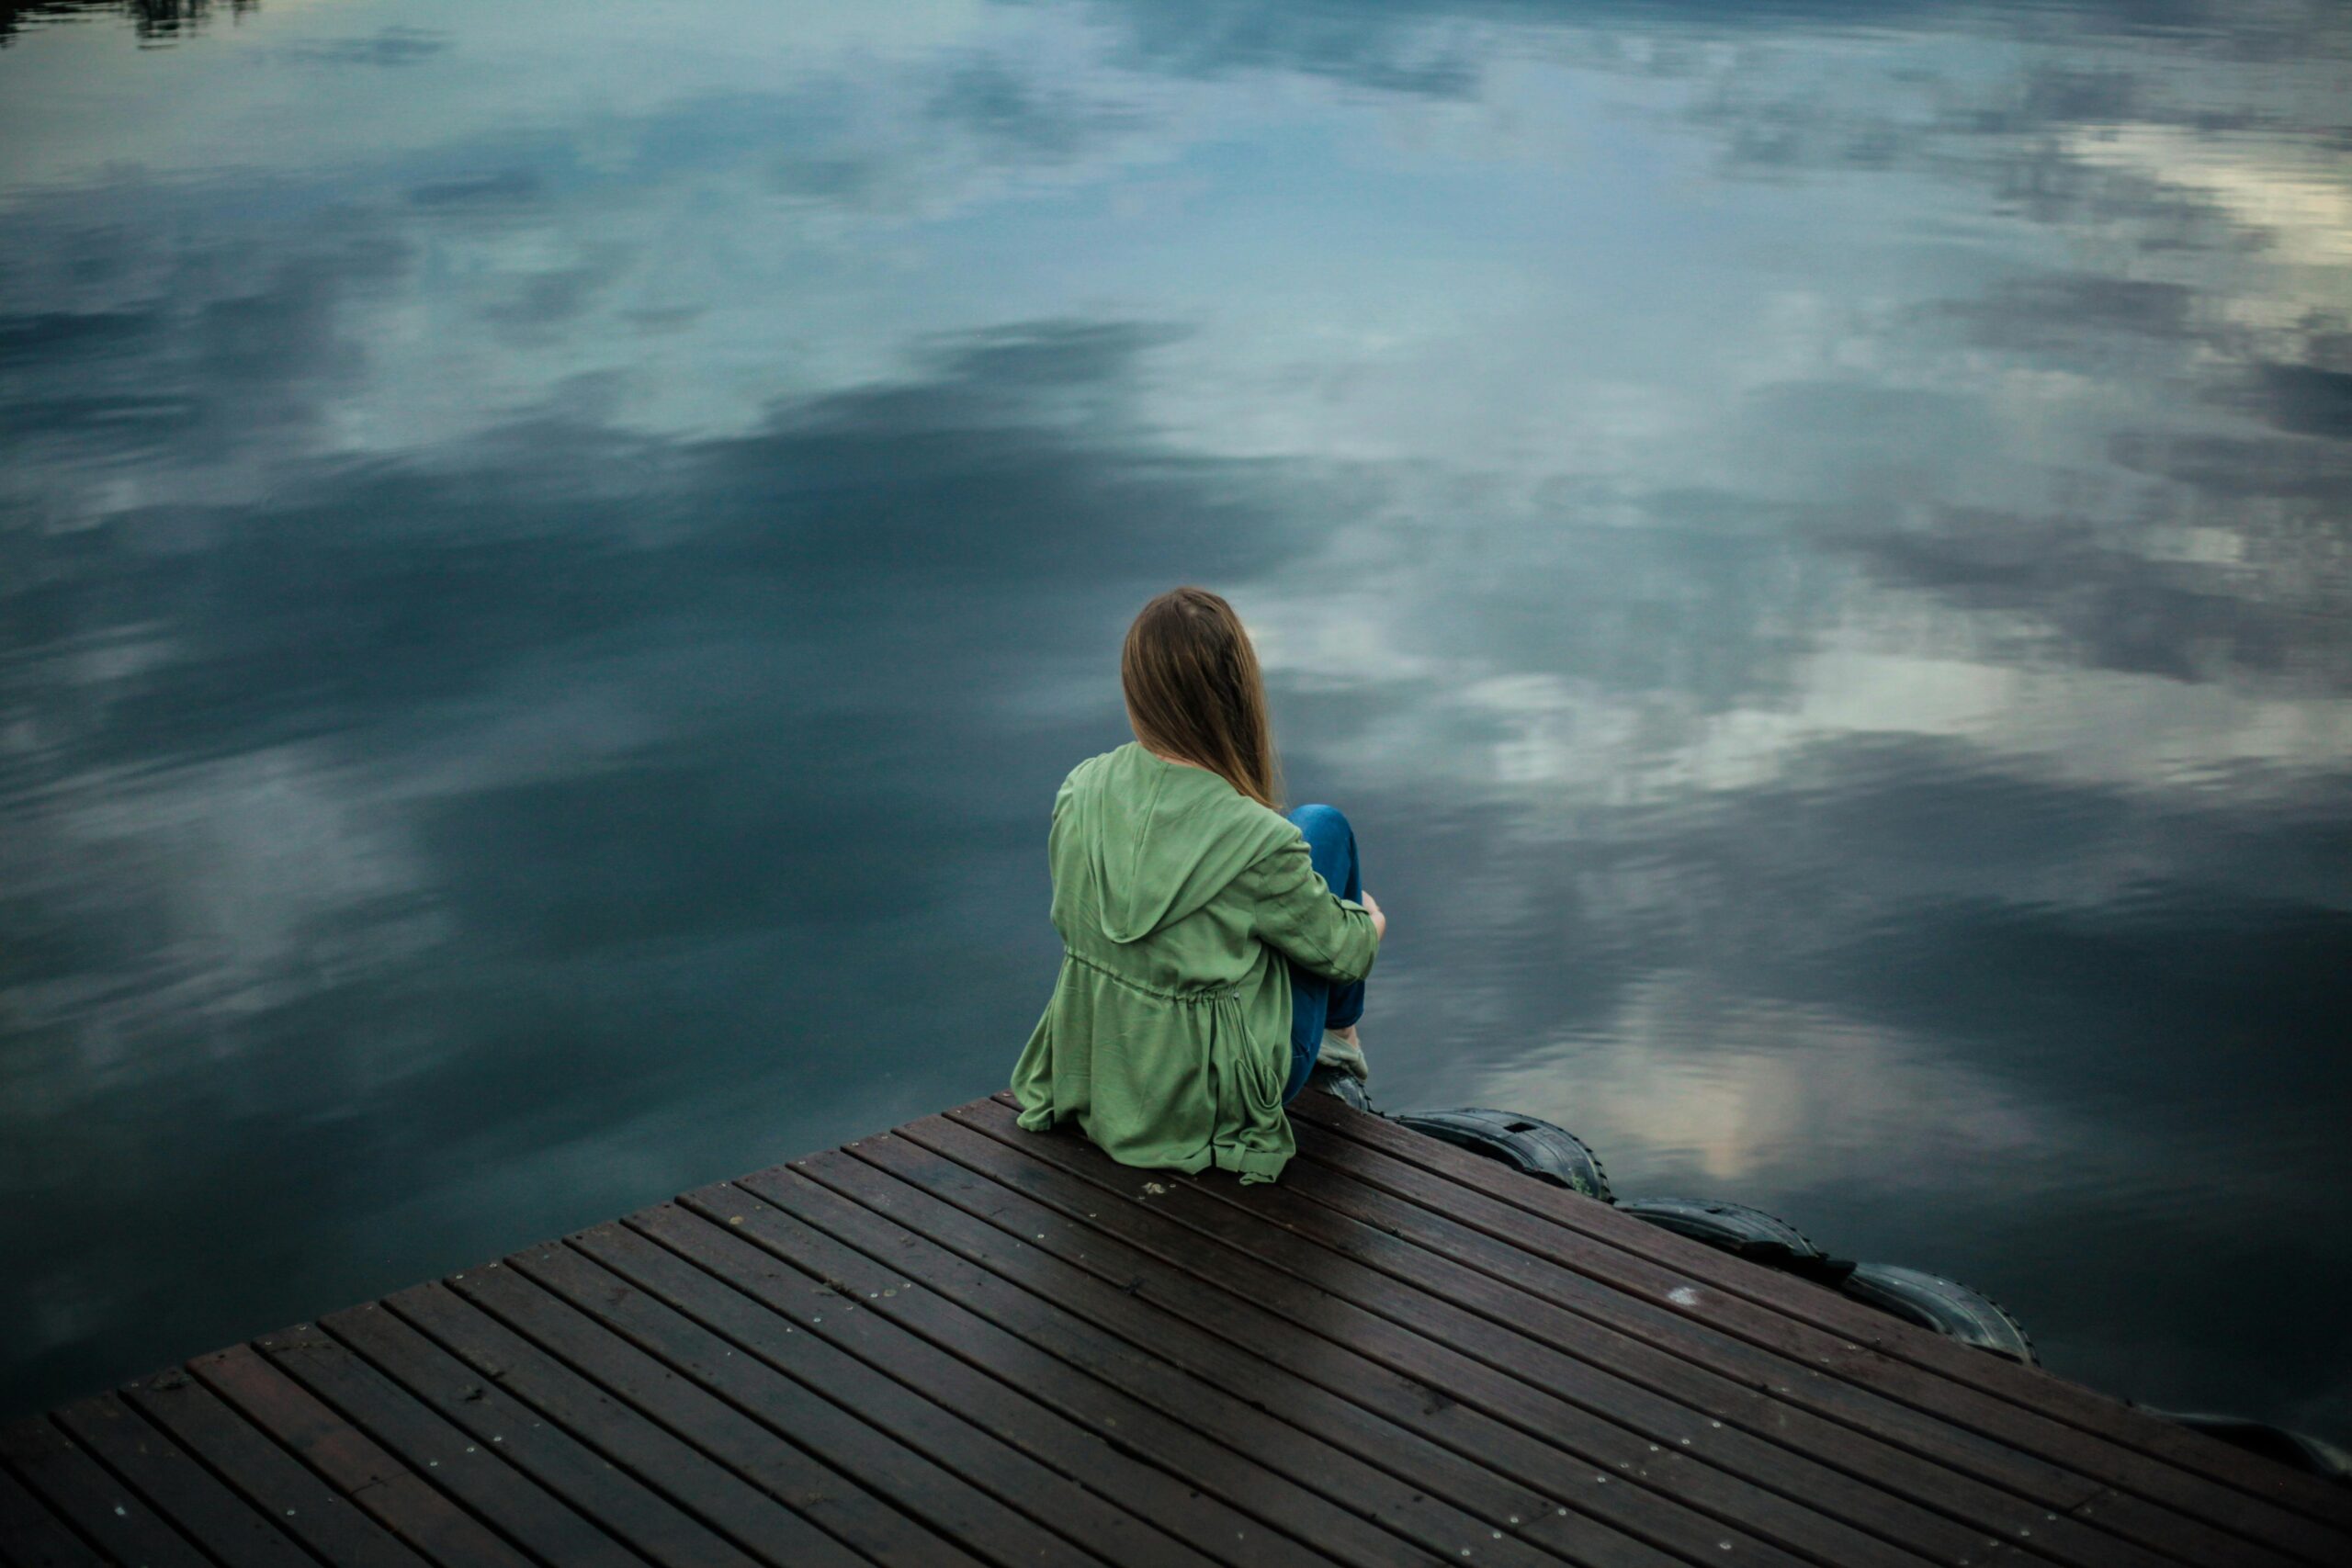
(1316, 1003)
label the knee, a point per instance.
(1311, 817)
(1322, 823)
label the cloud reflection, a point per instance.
(353, 740)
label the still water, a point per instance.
(552, 556)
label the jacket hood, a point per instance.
(1154, 842)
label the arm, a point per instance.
(1298, 915)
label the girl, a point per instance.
(1206, 961)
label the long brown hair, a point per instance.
(1194, 692)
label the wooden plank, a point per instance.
(1433, 1291)
(62, 1475)
(2168, 1461)
(770, 1256)
(2148, 1498)
(963, 1345)
(265, 1475)
(1877, 1350)
(1183, 1219)
(2056, 1522)
(1182, 1511)
(568, 1464)
(687, 1397)
(1000, 1472)
(766, 1495)
(474, 1473)
(1094, 1377)
(388, 1491)
(747, 1517)
(32, 1535)
(1690, 1360)
(178, 1485)
(656, 1300)
(972, 1451)
(1755, 1385)
(1554, 1448)
(1389, 1472)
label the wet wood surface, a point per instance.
(961, 1345)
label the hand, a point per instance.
(1379, 921)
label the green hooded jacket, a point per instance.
(1178, 899)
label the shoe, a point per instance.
(1344, 1055)
(1321, 1079)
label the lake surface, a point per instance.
(552, 558)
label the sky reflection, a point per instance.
(550, 573)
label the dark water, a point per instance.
(552, 556)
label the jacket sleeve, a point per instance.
(1296, 913)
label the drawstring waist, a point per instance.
(1224, 994)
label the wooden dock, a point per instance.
(959, 1344)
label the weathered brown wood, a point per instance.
(1297, 1490)
(657, 1308)
(1053, 1501)
(687, 1270)
(770, 1256)
(1225, 1244)
(474, 1473)
(1576, 1256)
(1435, 1293)
(1550, 1446)
(623, 1501)
(179, 1486)
(680, 1398)
(2241, 1484)
(1689, 1359)
(33, 1535)
(1184, 1513)
(1361, 1458)
(961, 1345)
(1897, 1359)
(265, 1475)
(2056, 1510)
(748, 1517)
(62, 1472)
(341, 1455)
